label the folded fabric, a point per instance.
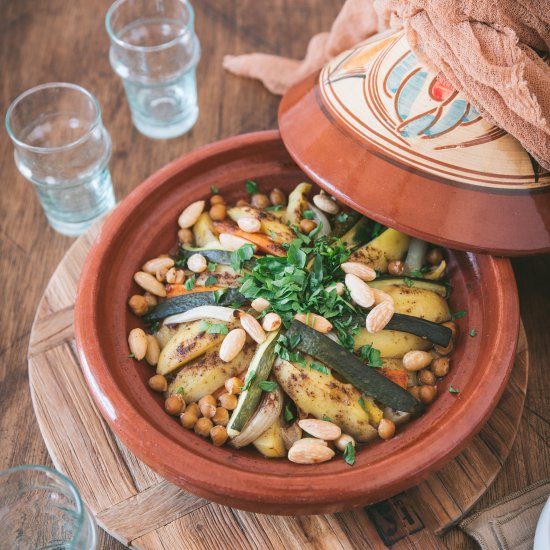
(493, 52)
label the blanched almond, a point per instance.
(232, 344)
(364, 272)
(259, 304)
(153, 350)
(381, 296)
(137, 342)
(326, 204)
(191, 214)
(308, 439)
(149, 283)
(317, 322)
(379, 316)
(253, 328)
(233, 242)
(360, 292)
(250, 225)
(321, 429)
(152, 266)
(309, 452)
(197, 263)
(272, 321)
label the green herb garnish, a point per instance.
(248, 380)
(409, 282)
(180, 391)
(238, 257)
(218, 294)
(308, 214)
(214, 190)
(251, 187)
(454, 390)
(459, 314)
(473, 332)
(349, 454)
(210, 280)
(274, 207)
(319, 368)
(370, 355)
(131, 356)
(218, 328)
(377, 228)
(327, 418)
(342, 217)
(288, 414)
(268, 385)
(190, 283)
(362, 403)
(212, 266)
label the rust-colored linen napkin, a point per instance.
(511, 522)
(493, 52)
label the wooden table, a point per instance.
(66, 41)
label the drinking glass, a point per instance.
(63, 149)
(41, 509)
(155, 51)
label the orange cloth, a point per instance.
(489, 50)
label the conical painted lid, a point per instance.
(384, 134)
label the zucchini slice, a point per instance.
(259, 370)
(411, 282)
(364, 378)
(185, 302)
(211, 254)
(358, 234)
(389, 245)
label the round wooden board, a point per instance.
(142, 510)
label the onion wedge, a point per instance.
(320, 218)
(225, 314)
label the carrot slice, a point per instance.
(179, 289)
(263, 242)
(399, 377)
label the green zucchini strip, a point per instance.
(363, 377)
(212, 255)
(185, 302)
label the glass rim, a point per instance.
(62, 477)
(157, 47)
(39, 88)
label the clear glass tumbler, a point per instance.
(62, 147)
(155, 50)
(41, 509)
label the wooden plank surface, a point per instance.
(57, 40)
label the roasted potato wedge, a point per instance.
(204, 233)
(270, 224)
(209, 372)
(190, 341)
(419, 302)
(391, 343)
(389, 245)
(297, 203)
(321, 394)
(164, 334)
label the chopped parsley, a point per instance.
(409, 282)
(251, 187)
(473, 332)
(377, 228)
(210, 280)
(287, 413)
(454, 390)
(362, 403)
(274, 207)
(218, 294)
(214, 190)
(327, 418)
(131, 356)
(370, 355)
(419, 273)
(342, 217)
(190, 283)
(241, 255)
(268, 385)
(217, 328)
(459, 314)
(180, 391)
(212, 266)
(349, 454)
(308, 214)
(319, 368)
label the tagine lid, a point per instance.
(384, 134)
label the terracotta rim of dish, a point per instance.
(219, 474)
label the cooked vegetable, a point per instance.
(263, 242)
(344, 222)
(180, 304)
(415, 255)
(164, 333)
(374, 411)
(271, 443)
(190, 341)
(437, 272)
(364, 378)
(412, 282)
(322, 395)
(258, 371)
(358, 234)
(204, 233)
(320, 219)
(389, 245)
(270, 225)
(211, 254)
(207, 373)
(390, 343)
(180, 290)
(264, 417)
(297, 203)
(225, 314)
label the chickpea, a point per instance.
(434, 256)
(194, 409)
(218, 212)
(158, 383)
(415, 392)
(307, 226)
(342, 442)
(228, 401)
(188, 419)
(138, 305)
(174, 405)
(203, 426)
(151, 299)
(396, 267)
(427, 394)
(218, 434)
(242, 202)
(453, 327)
(416, 360)
(207, 399)
(277, 196)
(445, 351)
(207, 406)
(259, 200)
(426, 377)
(234, 385)
(386, 428)
(216, 199)
(185, 236)
(221, 418)
(440, 367)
